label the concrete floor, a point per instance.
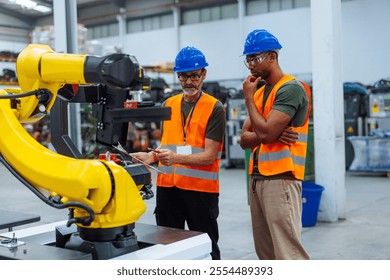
(363, 235)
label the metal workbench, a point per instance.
(155, 243)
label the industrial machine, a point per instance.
(236, 115)
(105, 195)
(379, 111)
(355, 113)
(372, 151)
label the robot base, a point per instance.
(98, 242)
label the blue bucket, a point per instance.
(311, 196)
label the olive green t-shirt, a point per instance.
(291, 98)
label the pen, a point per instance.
(153, 150)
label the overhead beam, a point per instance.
(48, 3)
(119, 3)
(24, 18)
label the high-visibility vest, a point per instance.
(196, 178)
(277, 158)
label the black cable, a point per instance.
(14, 96)
(52, 202)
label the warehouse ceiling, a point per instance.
(90, 12)
(30, 11)
(27, 9)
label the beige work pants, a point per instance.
(276, 209)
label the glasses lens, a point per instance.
(194, 77)
(247, 62)
(251, 60)
(182, 77)
(261, 58)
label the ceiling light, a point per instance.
(42, 9)
(28, 4)
(25, 3)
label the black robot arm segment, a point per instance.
(39, 67)
(116, 70)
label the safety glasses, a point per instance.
(258, 58)
(195, 77)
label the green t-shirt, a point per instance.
(291, 98)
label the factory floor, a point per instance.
(362, 235)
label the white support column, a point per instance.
(176, 23)
(328, 107)
(241, 15)
(122, 24)
(66, 41)
(59, 19)
(65, 26)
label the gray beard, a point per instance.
(190, 91)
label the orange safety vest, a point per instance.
(195, 178)
(276, 158)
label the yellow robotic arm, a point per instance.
(101, 194)
(40, 68)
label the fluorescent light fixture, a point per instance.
(42, 9)
(25, 3)
(32, 5)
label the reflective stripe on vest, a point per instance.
(200, 174)
(272, 156)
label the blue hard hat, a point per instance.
(260, 40)
(189, 59)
